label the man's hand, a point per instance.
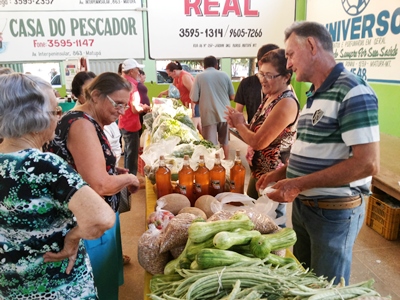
(286, 191)
(69, 251)
(273, 176)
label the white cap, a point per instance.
(130, 63)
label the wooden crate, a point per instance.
(383, 216)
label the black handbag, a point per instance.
(125, 201)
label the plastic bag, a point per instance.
(268, 206)
(173, 92)
(149, 256)
(159, 218)
(176, 232)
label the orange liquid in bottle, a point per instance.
(163, 179)
(202, 179)
(186, 177)
(217, 177)
(237, 175)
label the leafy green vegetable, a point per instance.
(205, 143)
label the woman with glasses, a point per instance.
(81, 141)
(272, 130)
(44, 203)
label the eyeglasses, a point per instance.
(118, 106)
(58, 112)
(267, 76)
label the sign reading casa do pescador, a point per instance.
(365, 33)
(193, 29)
(37, 30)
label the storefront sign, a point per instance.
(365, 35)
(193, 29)
(35, 30)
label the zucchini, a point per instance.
(277, 260)
(225, 239)
(194, 266)
(181, 260)
(262, 245)
(193, 248)
(210, 258)
(202, 231)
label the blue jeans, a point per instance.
(253, 193)
(131, 149)
(325, 238)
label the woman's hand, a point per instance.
(135, 185)
(121, 170)
(162, 94)
(233, 117)
(70, 251)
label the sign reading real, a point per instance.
(223, 28)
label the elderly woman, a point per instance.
(44, 203)
(81, 141)
(272, 130)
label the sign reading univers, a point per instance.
(194, 29)
(365, 35)
(35, 30)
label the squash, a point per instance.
(262, 245)
(225, 239)
(201, 231)
(210, 258)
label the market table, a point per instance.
(151, 200)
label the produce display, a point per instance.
(224, 247)
(226, 257)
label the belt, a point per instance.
(335, 203)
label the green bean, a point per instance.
(236, 289)
(252, 296)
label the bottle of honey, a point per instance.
(201, 179)
(163, 179)
(237, 175)
(217, 177)
(186, 177)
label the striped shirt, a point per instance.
(341, 113)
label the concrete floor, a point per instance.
(373, 256)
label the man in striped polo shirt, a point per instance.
(333, 158)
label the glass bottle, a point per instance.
(217, 177)
(201, 179)
(163, 179)
(186, 177)
(237, 175)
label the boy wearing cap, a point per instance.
(129, 122)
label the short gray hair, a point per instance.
(5, 70)
(24, 105)
(316, 30)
